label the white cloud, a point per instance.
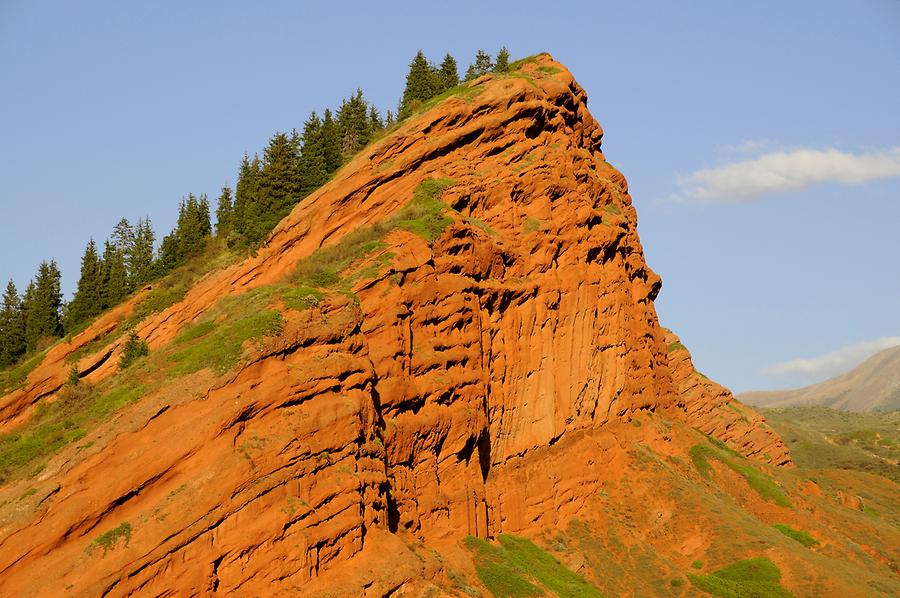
(747, 146)
(786, 171)
(834, 363)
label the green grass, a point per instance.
(822, 438)
(750, 578)
(423, 215)
(518, 64)
(517, 566)
(795, 534)
(676, 346)
(759, 482)
(549, 70)
(108, 540)
(15, 377)
(700, 455)
(302, 297)
(532, 225)
(219, 346)
(697, 565)
(54, 425)
(613, 209)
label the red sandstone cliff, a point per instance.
(475, 385)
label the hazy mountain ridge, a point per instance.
(874, 385)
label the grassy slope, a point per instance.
(821, 438)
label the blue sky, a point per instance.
(759, 139)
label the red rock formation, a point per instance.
(474, 388)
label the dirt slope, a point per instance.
(491, 379)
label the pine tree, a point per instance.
(12, 326)
(331, 139)
(245, 194)
(420, 84)
(481, 66)
(502, 64)
(88, 297)
(389, 119)
(114, 278)
(313, 170)
(44, 298)
(223, 213)
(140, 260)
(375, 122)
(279, 186)
(449, 75)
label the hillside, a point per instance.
(822, 438)
(874, 385)
(441, 374)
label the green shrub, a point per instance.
(697, 565)
(134, 349)
(750, 578)
(108, 540)
(302, 297)
(800, 536)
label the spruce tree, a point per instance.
(420, 84)
(449, 76)
(44, 298)
(313, 170)
(502, 63)
(375, 122)
(140, 260)
(481, 66)
(88, 297)
(331, 140)
(224, 210)
(12, 326)
(279, 185)
(245, 194)
(114, 277)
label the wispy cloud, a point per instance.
(833, 363)
(785, 171)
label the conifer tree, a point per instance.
(44, 298)
(313, 170)
(502, 63)
(375, 122)
(140, 260)
(331, 135)
(115, 275)
(389, 119)
(449, 75)
(245, 194)
(279, 186)
(223, 213)
(12, 326)
(420, 84)
(481, 66)
(88, 298)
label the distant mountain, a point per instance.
(874, 385)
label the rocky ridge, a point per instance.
(477, 383)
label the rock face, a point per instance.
(472, 386)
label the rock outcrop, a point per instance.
(471, 385)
